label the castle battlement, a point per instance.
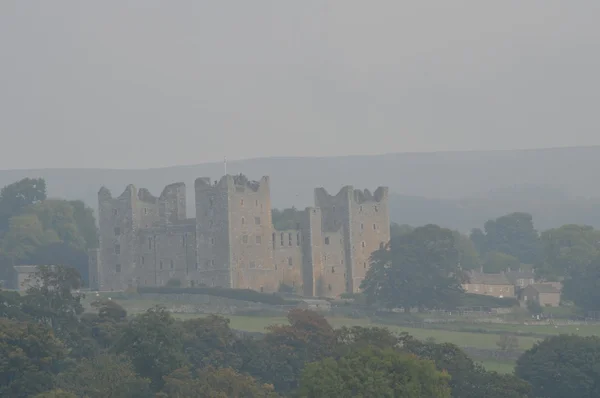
(147, 240)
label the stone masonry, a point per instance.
(148, 241)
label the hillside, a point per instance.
(458, 189)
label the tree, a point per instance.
(86, 223)
(154, 344)
(420, 269)
(30, 357)
(583, 288)
(534, 307)
(18, 195)
(374, 373)
(562, 366)
(59, 216)
(104, 376)
(25, 234)
(496, 262)
(512, 234)
(568, 250)
(210, 342)
(60, 253)
(468, 256)
(508, 343)
(285, 219)
(57, 393)
(110, 309)
(214, 383)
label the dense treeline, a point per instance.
(57, 349)
(42, 231)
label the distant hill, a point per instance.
(457, 189)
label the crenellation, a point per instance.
(148, 241)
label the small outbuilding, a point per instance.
(545, 294)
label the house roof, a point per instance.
(488, 279)
(544, 288)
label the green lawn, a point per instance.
(499, 366)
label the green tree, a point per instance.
(25, 234)
(508, 343)
(468, 256)
(86, 223)
(16, 196)
(57, 393)
(420, 269)
(583, 288)
(59, 216)
(154, 344)
(374, 373)
(513, 234)
(562, 366)
(210, 341)
(214, 383)
(105, 376)
(568, 250)
(30, 357)
(496, 262)
(60, 253)
(285, 219)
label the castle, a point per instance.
(148, 241)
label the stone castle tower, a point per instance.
(148, 241)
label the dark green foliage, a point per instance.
(420, 269)
(512, 234)
(583, 287)
(369, 372)
(154, 345)
(562, 366)
(236, 294)
(16, 196)
(285, 219)
(470, 300)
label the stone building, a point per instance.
(147, 240)
(545, 294)
(496, 285)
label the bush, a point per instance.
(478, 300)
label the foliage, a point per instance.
(370, 372)
(470, 300)
(497, 262)
(154, 344)
(25, 234)
(512, 234)
(468, 256)
(420, 269)
(109, 309)
(583, 288)
(214, 383)
(235, 294)
(568, 250)
(60, 253)
(57, 393)
(285, 219)
(30, 357)
(562, 366)
(534, 307)
(18, 195)
(104, 376)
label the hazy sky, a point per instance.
(146, 83)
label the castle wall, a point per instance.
(212, 232)
(370, 230)
(172, 203)
(94, 269)
(167, 252)
(332, 281)
(288, 257)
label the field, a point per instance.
(464, 336)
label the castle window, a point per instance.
(298, 238)
(256, 203)
(212, 241)
(262, 289)
(329, 287)
(374, 227)
(289, 239)
(258, 239)
(115, 212)
(117, 249)
(365, 265)
(327, 240)
(212, 262)
(161, 265)
(376, 208)
(333, 270)
(273, 240)
(324, 257)
(243, 221)
(245, 239)
(290, 262)
(281, 238)
(211, 202)
(118, 267)
(149, 243)
(117, 231)
(172, 264)
(257, 220)
(145, 210)
(242, 202)
(275, 267)
(363, 244)
(381, 245)
(207, 263)
(142, 260)
(361, 209)
(342, 261)
(183, 241)
(362, 226)
(192, 283)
